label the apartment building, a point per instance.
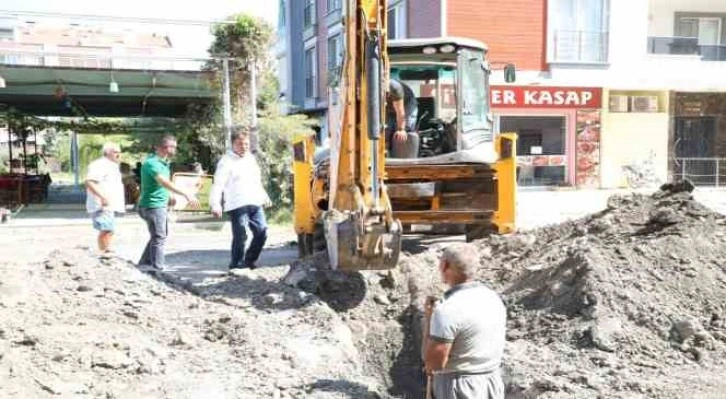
(76, 45)
(309, 50)
(608, 92)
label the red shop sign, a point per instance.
(546, 97)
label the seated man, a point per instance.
(401, 116)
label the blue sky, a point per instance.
(191, 40)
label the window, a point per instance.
(6, 34)
(334, 5)
(281, 18)
(310, 73)
(475, 104)
(541, 148)
(335, 53)
(309, 13)
(578, 30)
(397, 21)
(706, 30)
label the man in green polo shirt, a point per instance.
(154, 199)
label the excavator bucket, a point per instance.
(355, 243)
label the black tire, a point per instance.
(319, 243)
(477, 232)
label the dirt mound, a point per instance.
(77, 326)
(621, 303)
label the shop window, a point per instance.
(541, 149)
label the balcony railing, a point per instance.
(700, 171)
(685, 46)
(580, 46)
(10, 55)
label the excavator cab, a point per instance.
(460, 178)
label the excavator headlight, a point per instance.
(429, 50)
(447, 48)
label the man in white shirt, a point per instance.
(105, 193)
(238, 179)
(466, 335)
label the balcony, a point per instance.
(96, 58)
(579, 47)
(686, 46)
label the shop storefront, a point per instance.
(698, 138)
(558, 130)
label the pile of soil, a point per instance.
(76, 326)
(628, 302)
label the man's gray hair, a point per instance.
(166, 139)
(109, 147)
(464, 258)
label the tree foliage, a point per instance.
(247, 42)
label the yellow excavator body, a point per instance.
(355, 194)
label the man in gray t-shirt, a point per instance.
(465, 343)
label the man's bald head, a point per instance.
(463, 259)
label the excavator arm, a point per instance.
(360, 230)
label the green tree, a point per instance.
(249, 39)
(246, 42)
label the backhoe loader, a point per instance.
(353, 198)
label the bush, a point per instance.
(275, 157)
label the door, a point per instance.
(694, 148)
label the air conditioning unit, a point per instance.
(618, 103)
(644, 104)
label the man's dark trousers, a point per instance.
(254, 217)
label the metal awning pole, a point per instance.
(227, 104)
(75, 160)
(10, 146)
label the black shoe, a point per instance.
(232, 266)
(250, 266)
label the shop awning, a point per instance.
(141, 93)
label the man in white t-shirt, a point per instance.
(105, 193)
(466, 336)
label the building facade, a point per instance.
(609, 93)
(75, 45)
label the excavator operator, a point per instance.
(401, 115)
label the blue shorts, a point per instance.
(104, 221)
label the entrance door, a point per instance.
(694, 144)
(541, 144)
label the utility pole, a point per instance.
(227, 104)
(253, 105)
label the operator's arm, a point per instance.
(397, 94)
(400, 110)
(166, 183)
(438, 341)
(221, 175)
